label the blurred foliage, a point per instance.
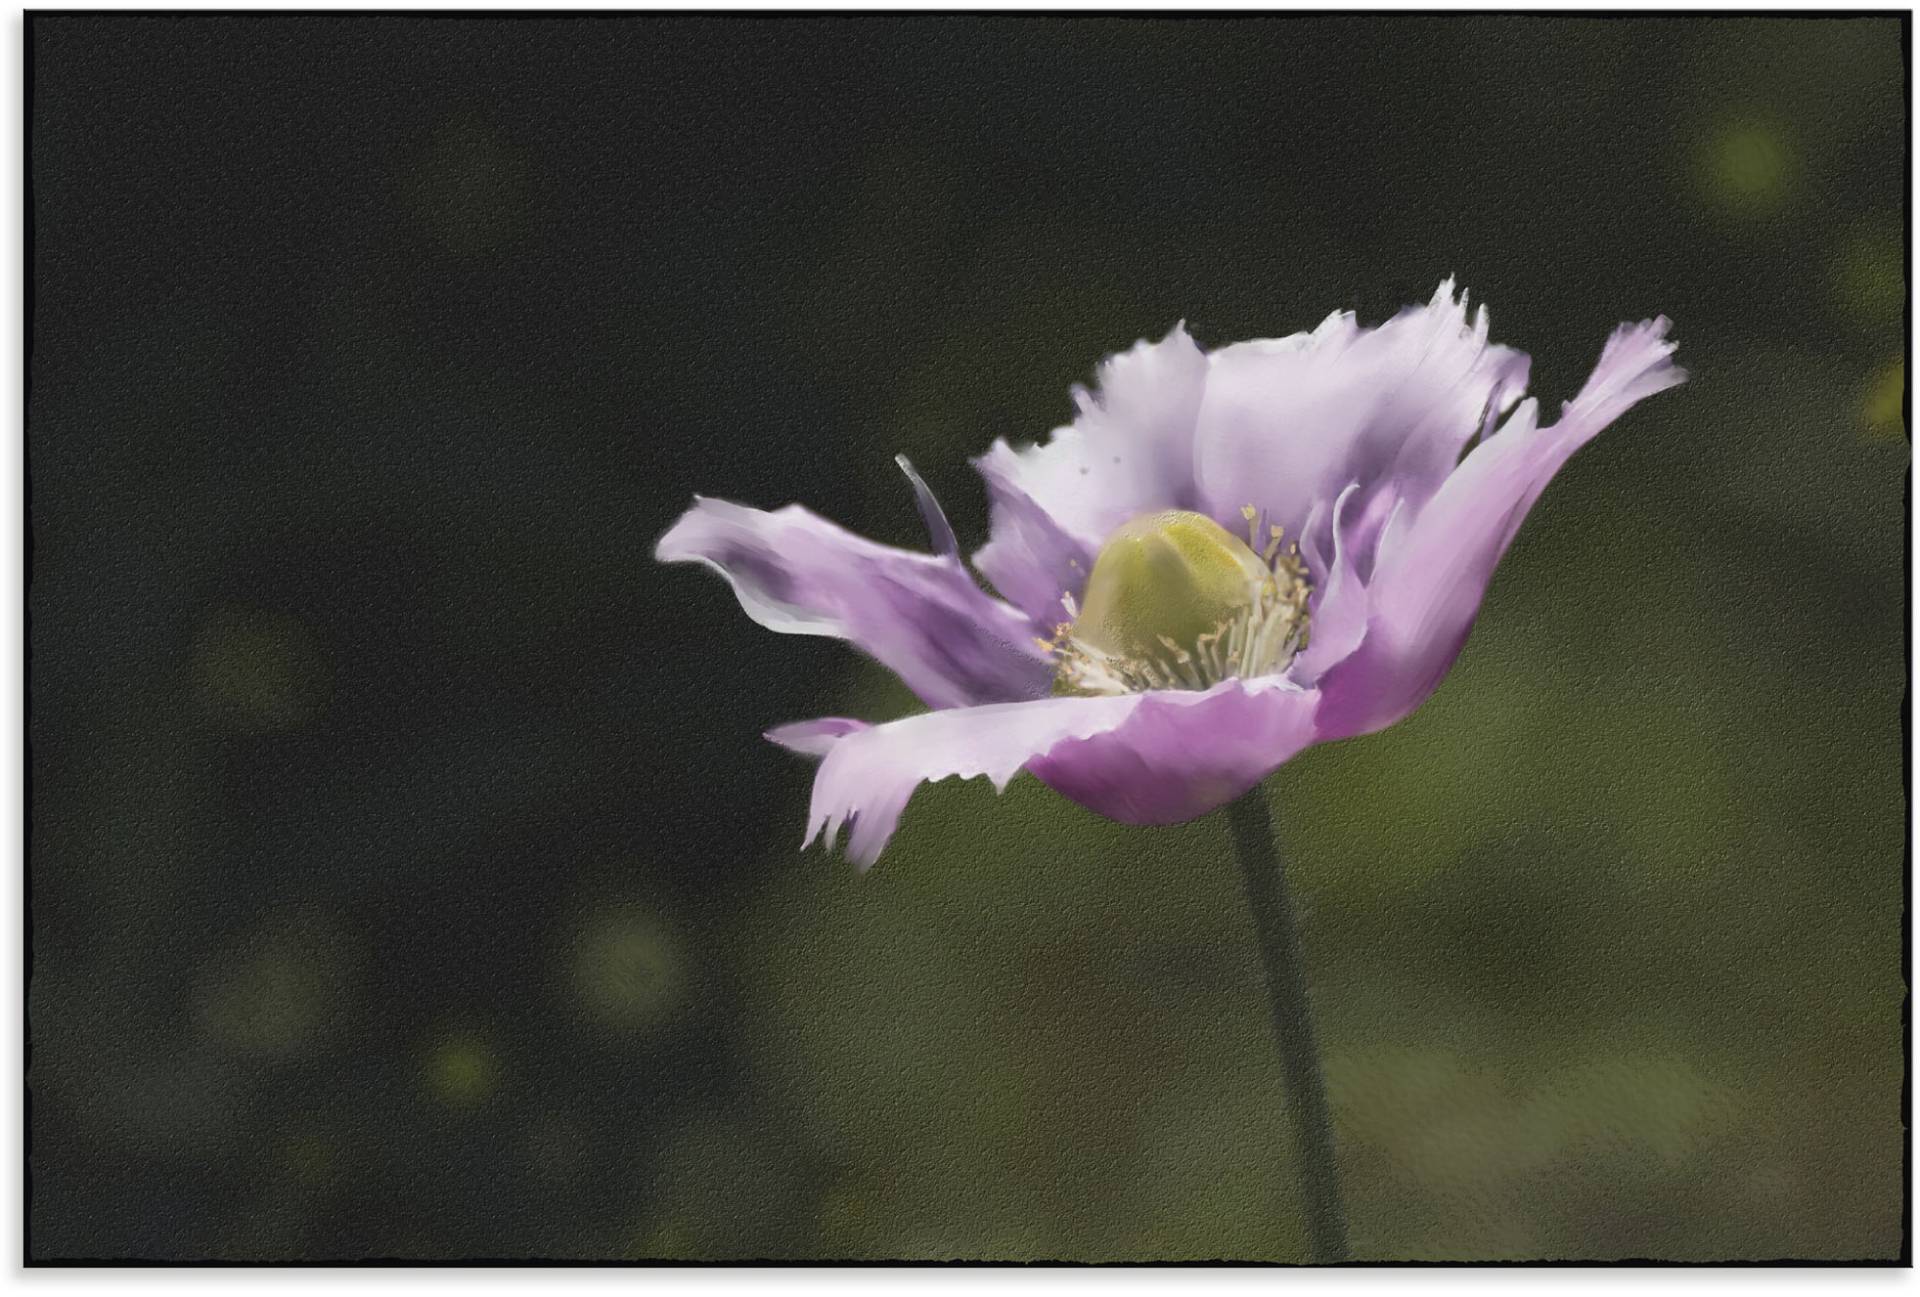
(1869, 278)
(409, 876)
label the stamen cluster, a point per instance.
(1259, 638)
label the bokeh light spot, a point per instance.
(1750, 167)
(276, 996)
(270, 1007)
(463, 1071)
(257, 671)
(628, 969)
(1886, 408)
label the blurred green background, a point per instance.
(409, 878)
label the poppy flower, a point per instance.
(1225, 558)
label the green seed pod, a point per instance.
(1167, 576)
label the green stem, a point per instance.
(1273, 923)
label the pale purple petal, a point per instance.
(1152, 758)
(919, 615)
(1339, 604)
(1031, 560)
(1290, 422)
(1435, 562)
(939, 530)
(1129, 450)
(815, 738)
(868, 776)
(1180, 755)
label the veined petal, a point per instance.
(1289, 422)
(1435, 562)
(1129, 450)
(919, 615)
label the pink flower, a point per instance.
(1378, 474)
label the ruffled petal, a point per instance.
(1152, 758)
(919, 615)
(1435, 562)
(1289, 422)
(1128, 451)
(868, 776)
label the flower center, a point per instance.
(1176, 601)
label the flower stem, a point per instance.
(1273, 923)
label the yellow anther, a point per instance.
(1179, 581)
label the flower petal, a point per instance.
(815, 738)
(1180, 755)
(1152, 758)
(1435, 562)
(868, 776)
(1031, 561)
(919, 615)
(1289, 422)
(1128, 452)
(939, 530)
(1339, 605)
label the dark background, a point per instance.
(409, 877)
